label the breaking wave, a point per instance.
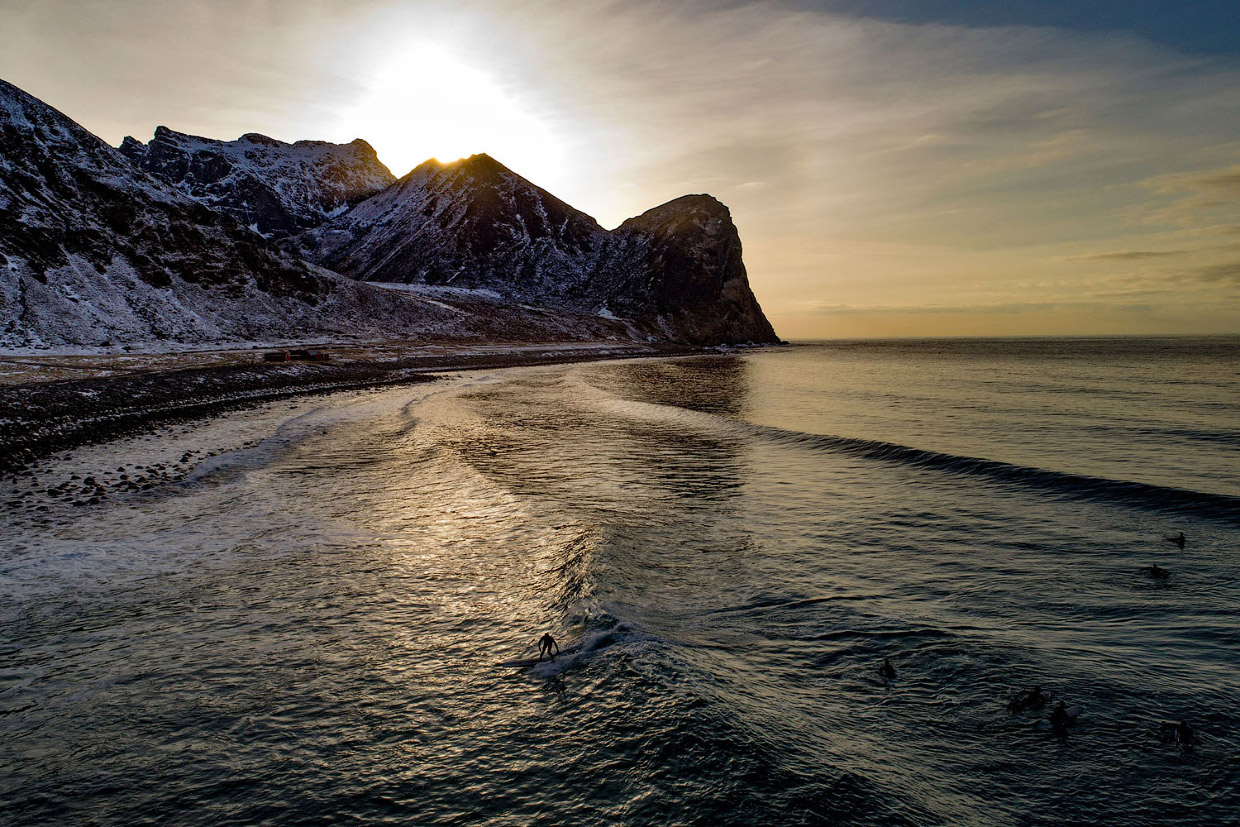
(1212, 506)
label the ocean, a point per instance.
(308, 625)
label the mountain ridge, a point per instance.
(96, 253)
(168, 242)
(676, 269)
(273, 187)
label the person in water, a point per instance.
(887, 670)
(1059, 717)
(1177, 540)
(545, 643)
(1184, 736)
(1157, 572)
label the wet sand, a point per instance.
(51, 403)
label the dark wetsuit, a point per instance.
(544, 646)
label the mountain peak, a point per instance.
(678, 214)
(260, 139)
(479, 165)
(480, 159)
(274, 187)
(100, 252)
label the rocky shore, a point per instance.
(39, 418)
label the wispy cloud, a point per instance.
(913, 164)
(1126, 255)
(1224, 273)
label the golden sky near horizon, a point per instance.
(889, 178)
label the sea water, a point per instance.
(307, 629)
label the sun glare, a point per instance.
(429, 102)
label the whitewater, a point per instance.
(307, 626)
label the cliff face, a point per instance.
(675, 271)
(272, 187)
(681, 265)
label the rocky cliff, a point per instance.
(680, 265)
(272, 187)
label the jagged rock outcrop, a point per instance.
(675, 271)
(680, 265)
(272, 187)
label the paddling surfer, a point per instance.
(1184, 736)
(545, 643)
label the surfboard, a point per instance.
(522, 662)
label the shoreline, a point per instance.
(41, 416)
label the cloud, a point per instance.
(1222, 273)
(828, 309)
(1126, 255)
(915, 164)
(1200, 199)
(1227, 180)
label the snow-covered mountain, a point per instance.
(94, 252)
(97, 252)
(270, 186)
(471, 223)
(676, 270)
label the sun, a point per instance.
(427, 101)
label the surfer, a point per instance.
(1059, 717)
(1157, 572)
(1177, 540)
(1032, 699)
(887, 671)
(1184, 736)
(544, 646)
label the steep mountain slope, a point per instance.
(93, 252)
(472, 223)
(96, 252)
(270, 186)
(680, 264)
(676, 271)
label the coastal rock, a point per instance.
(272, 187)
(680, 264)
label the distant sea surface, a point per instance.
(309, 628)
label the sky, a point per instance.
(895, 167)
